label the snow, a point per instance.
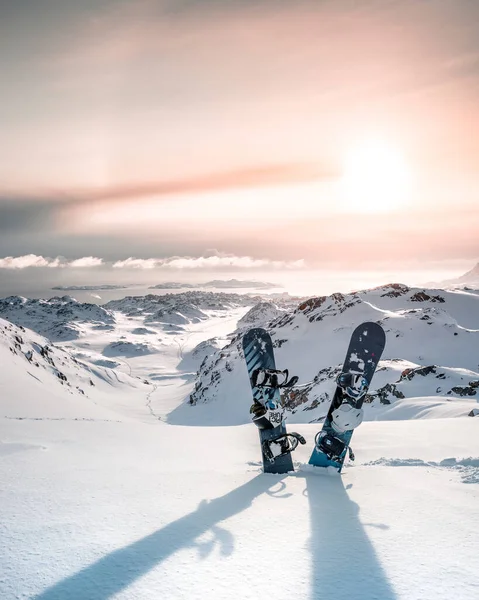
(150, 510)
(124, 490)
(434, 333)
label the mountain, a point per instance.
(59, 319)
(42, 380)
(172, 285)
(64, 319)
(471, 277)
(68, 288)
(236, 283)
(179, 309)
(261, 314)
(431, 352)
(217, 284)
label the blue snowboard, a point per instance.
(364, 352)
(258, 353)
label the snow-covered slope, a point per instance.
(469, 278)
(260, 315)
(96, 510)
(58, 319)
(41, 380)
(431, 350)
(100, 500)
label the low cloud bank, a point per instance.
(171, 263)
(32, 260)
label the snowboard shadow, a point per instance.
(119, 569)
(344, 565)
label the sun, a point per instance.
(376, 178)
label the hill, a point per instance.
(431, 352)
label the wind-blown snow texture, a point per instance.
(103, 497)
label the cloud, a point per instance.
(23, 203)
(29, 260)
(86, 261)
(24, 211)
(138, 263)
(207, 263)
(32, 260)
(215, 262)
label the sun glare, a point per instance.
(375, 178)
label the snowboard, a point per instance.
(364, 352)
(259, 354)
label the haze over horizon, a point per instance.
(146, 141)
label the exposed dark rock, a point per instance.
(394, 290)
(464, 391)
(423, 371)
(311, 304)
(423, 297)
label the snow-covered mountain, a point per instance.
(42, 380)
(91, 288)
(217, 284)
(241, 283)
(179, 309)
(58, 319)
(172, 285)
(432, 351)
(261, 314)
(469, 278)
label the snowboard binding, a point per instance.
(283, 444)
(346, 417)
(354, 385)
(334, 448)
(272, 378)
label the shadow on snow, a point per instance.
(344, 565)
(116, 571)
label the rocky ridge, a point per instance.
(431, 349)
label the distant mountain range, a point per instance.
(217, 284)
(69, 288)
(61, 319)
(179, 309)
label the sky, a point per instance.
(152, 140)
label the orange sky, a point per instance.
(155, 129)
